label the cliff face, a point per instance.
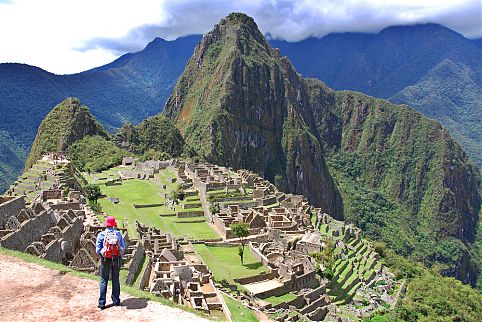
(239, 103)
(413, 162)
(68, 122)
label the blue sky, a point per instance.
(67, 36)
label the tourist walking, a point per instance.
(110, 246)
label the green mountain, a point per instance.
(429, 67)
(157, 134)
(67, 123)
(131, 88)
(238, 103)
(401, 176)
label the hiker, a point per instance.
(110, 246)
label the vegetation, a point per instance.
(92, 192)
(145, 192)
(12, 158)
(154, 137)
(176, 193)
(325, 260)
(68, 122)
(238, 311)
(429, 296)
(214, 208)
(225, 265)
(95, 154)
(428, 67)
(241, 231)
(274, 300)
(393, 177)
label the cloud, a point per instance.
(69, 36)
(294, 20)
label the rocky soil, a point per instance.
(31, 292)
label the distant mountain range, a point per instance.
(130, 88)
(430, 67)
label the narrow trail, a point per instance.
(30, 292)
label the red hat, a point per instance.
(110, 222)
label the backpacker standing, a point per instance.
(110, 246)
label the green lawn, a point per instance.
(136, 191)
(238, 311)
(224, 262)
(280, 299)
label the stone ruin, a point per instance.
(174, 271)
(284, 230)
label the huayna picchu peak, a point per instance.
(402, 177)
(239, 103)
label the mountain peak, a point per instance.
(239, 103)
(239, 18)
(68, 122)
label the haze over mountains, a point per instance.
(433, 69)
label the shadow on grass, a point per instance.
(253, 265)
(134, 303)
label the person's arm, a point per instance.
(121, 241)
(99, 244)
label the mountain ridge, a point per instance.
(236, 89)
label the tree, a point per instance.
(214, 208)
(325, 258)
(92, 192)
(241, 230)
(177, 193)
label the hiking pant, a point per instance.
(109, 267)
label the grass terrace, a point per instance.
(274, 300)
(144, 192)
(225, 264)
(238, 311)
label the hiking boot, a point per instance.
(102, 307)
(117, 303)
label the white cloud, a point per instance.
(66, 36)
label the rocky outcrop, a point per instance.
(239, 103)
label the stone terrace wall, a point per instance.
(30, 231)
(136, 263)
(10, 206)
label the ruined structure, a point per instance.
(174, 271)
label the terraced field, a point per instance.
(225, 264)
(142, 192)
(35, 179)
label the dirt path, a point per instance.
(29, 292)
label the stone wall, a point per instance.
(136, 263)
(189, 214)
(298, 302)
(30, 231)
(10, 206)
(66, 206)
(255, 251)
(257, 278)
(146, 275)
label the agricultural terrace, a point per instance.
(143, 192)
(225, 264)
